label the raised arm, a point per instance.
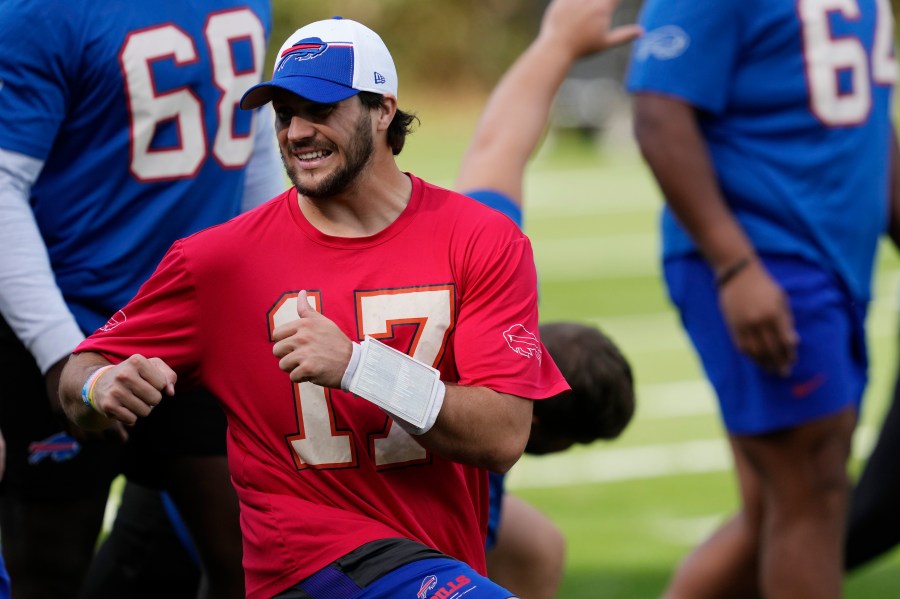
(517, 111)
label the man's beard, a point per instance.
(358, 152)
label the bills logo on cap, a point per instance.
(327, 62)
(304, 49)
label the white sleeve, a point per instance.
(30, 301)
(265, 174)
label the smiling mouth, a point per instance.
(314, 155)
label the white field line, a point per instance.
(662, 401)
(609, 464)
(614, 464)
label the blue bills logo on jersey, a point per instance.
(523, 342)
(664, 43)
(59, 448)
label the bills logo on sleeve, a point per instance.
(523, 342)
(116, 319)
(664, 43)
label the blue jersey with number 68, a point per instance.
(132, 106)
(793, 99)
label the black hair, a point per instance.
(400, 127)
(602, 400)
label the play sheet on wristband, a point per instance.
(395, 382)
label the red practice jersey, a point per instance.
(318, 471)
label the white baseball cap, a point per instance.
(329, 61)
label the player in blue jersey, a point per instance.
(526, 551)
(767, 126)
(119, 133)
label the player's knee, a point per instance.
(828, 460)
(548, 554)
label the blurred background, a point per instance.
(457, 50)
(632, 508)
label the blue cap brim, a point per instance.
(311, 88)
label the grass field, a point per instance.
(633, 508)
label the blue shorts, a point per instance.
(433, 578)
(832, 362)
(395, 567)
(439, 578)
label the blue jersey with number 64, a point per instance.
(793, 100)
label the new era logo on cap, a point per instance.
(329, 61)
